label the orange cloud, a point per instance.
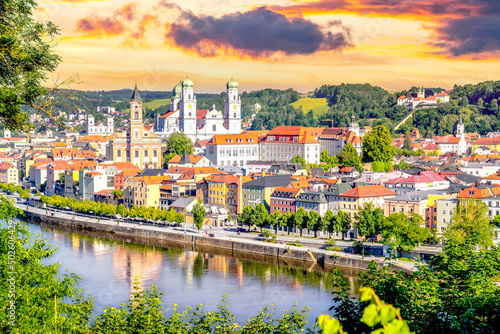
(460, 27)
(126, 21)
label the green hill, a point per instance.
(319, 106)
(152, 104)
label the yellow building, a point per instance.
(492, 143)
(143, 191)
(8, 173)
(137, 145)
(352, 200)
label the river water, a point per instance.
(189, 276)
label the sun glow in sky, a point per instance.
(112, 44)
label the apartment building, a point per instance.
(285, 142)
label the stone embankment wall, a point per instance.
(235, 246)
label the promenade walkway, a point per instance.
(220, 233)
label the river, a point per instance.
(187, 275)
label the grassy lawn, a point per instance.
(318, 106)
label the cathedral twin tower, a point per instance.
(200, 124)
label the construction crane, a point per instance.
(327, 120)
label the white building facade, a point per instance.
(200, 124)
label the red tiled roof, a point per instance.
(375, 190)
(487, 141)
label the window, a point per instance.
(119, 153)
(136, 115)
(214, 128)
(146, 153)
(154, 153)
(137, 154)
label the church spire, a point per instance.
(136, 95)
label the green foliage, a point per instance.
(245, 218)
(368, 219)
(457, 292)
(342, 223)
(362, 100)
(300, 219)
(103, 209)
(178, 142)
(471, 224)
(377, 315)
(402, 165)
(299, 160)
(25, 58)
(314, 222)
(380, 166)
(407, 142)
(377, 145)
(404, 231)
(199, 214)
(349, 156)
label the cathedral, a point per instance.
(200, 124)
(137, 145)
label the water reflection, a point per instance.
(188, 275)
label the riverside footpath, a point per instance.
(212, 238)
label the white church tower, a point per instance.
(188, 110)
(460, 128)
(110, 125)
(176, 97)
(232, 107)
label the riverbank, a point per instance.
(231, 245)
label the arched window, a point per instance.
(234, 97)
(234, 115)
(214, 128)
(189, 114)
(136, 115)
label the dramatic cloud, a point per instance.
(460, 27)
(471, 35)
(124, 21)
(256, 33)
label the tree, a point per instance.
(342, 223)
(260, 216)
(407, 142)
(471, 224)
(377, 145)
(329, 222)
(368, 219)
(299, 218)
(325, 157)
(287, 221)
(314, 222)
(299, 160)
(349, 156)
(246, 216)
(178, 142)
(25, 57)
(199, 214)
(122, 210)
(404, 231)
(275, 220)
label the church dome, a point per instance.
(187, 83)
(177, 91)
(231, 84)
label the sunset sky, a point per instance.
(395, 44)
